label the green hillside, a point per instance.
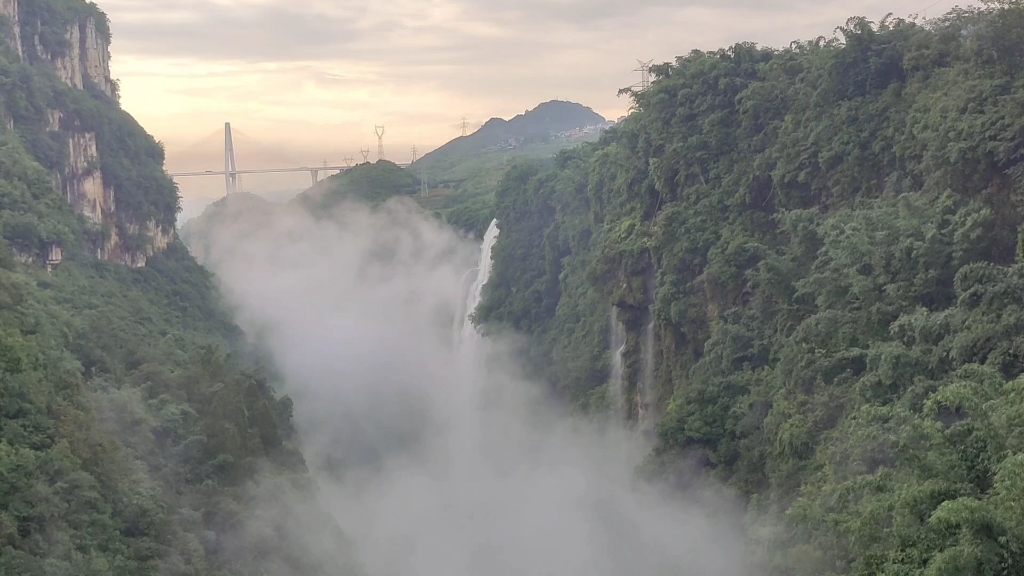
(537, 126)
(370, 183)
(827, 240)
(469, 168)
(138, 434)
(238, 214)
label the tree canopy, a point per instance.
(826, 237)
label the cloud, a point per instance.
(320, 73)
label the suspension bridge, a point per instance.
(231, 172)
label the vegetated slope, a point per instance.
(827, 240)
(138, 434)
(371, 183)
(57, 94)
(533, 125)
(244, 212)
(469, 167)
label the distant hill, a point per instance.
(533, 126)
(371, 183)
(235, 215)
(193, 207)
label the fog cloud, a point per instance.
(436, 457)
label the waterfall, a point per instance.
(469, 330)
(647, 398)
(617, 384)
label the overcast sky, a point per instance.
(313, 77)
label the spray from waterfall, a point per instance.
(436, 459)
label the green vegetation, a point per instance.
(32, 215)
(827, 239)
(131, 161)
(130, 427)
(49, 20)
(470, 167)
(241, 213)
(535, 127)
(369, 183)
(139, 434)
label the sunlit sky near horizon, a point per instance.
(309, 79)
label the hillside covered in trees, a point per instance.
(371, 183)
(139, 434)
(532, 126)
(818, 249)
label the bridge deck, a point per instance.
(270, 170)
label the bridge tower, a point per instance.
(379, 130)
(230, 170)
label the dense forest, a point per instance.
(826, 241)
(369, 183)
(139, 433)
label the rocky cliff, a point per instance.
(76, 129)
(9, 12)
(84, 58)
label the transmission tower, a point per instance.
(348, 161)
(414, 156)
(645, 74)
(465, 126)
(424, 189)
(366, 154)
(379, 130)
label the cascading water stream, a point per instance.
(470, 334)
(647, 400)
(617, 385)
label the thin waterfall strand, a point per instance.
(617, 383)
(469, 330)
(647, 396)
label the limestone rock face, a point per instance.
(157, 239)
(87, 58)
(83, 181)
(9, 8)
(95, 59)
(81, 62)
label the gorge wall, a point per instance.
(810, 259)
(63, 102)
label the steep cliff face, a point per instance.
(9, 10)
(108, 169)
(83, 181)
(84, 57)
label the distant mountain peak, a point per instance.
(551, 117)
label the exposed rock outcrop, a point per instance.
(87, 58)
(95, 59)
(154, 239)
(9, 9)
(82, 62)
(83, 181)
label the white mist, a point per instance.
(436, 462)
